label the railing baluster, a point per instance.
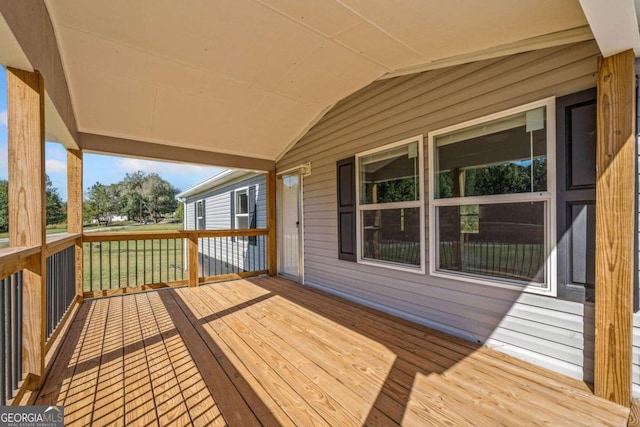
(136, 254)
(3, 348)
(152, 264)
(100, 258)
(144, 262)
(119, 269)
(7, 333)
(175, 260)
(209, 257)
(17, 326)
(18, 278)
(127, 272)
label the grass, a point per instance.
(106, 262)
(111, 265)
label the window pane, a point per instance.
(242, 221)
(503, 156)
(242, 202)
(390, 175)
(499, 240)
(199, 209)
(392, 235)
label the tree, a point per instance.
(159, 196)
(139, 196)
(56, 208)
(132, 204)
(180, 212)
(103, 202)
(4, 205)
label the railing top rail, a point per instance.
(132, 235)
(14, 259)
(230, 233)
(170, 234)
(17, 252)
(59, 242)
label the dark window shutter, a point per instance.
(346, 189)
(576, 194)
(253, 213)
(204, 215)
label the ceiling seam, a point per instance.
(330, 37)
(370, 22)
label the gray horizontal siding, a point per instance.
(548, 331)
(225, 255)
(189, 216)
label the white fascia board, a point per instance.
(614, 24)
(215, 181)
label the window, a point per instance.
(390, 219)
(491, 194)
(200, 218)
(242, 208)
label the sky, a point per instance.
(99, 168)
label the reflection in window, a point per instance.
(491, 198)
(392, 235)
(503, 156)
(390, 176)
(501, 240)
(390, 205)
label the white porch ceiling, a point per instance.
(247, 77)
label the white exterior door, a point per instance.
(290, 226)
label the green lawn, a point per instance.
(109, 265)
(112, 265)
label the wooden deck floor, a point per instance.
(266, 351)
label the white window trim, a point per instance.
(200, 203)
(414, 204)
(236, 214)
(548, 196)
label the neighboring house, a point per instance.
(230, 200)
(462, 198)
(111, 218)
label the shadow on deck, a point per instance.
(269, 352)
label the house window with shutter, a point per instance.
(243, 211)
(389, 206)
(200, 216)
(492, 199)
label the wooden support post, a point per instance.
(615, 187)
(27, 204)
(74, 210)
(192, 257)
(272, 249)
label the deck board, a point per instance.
(265, 351)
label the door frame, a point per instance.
(302, 171)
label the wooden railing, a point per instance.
(112, 263)
(19, 332)
(116, 263)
